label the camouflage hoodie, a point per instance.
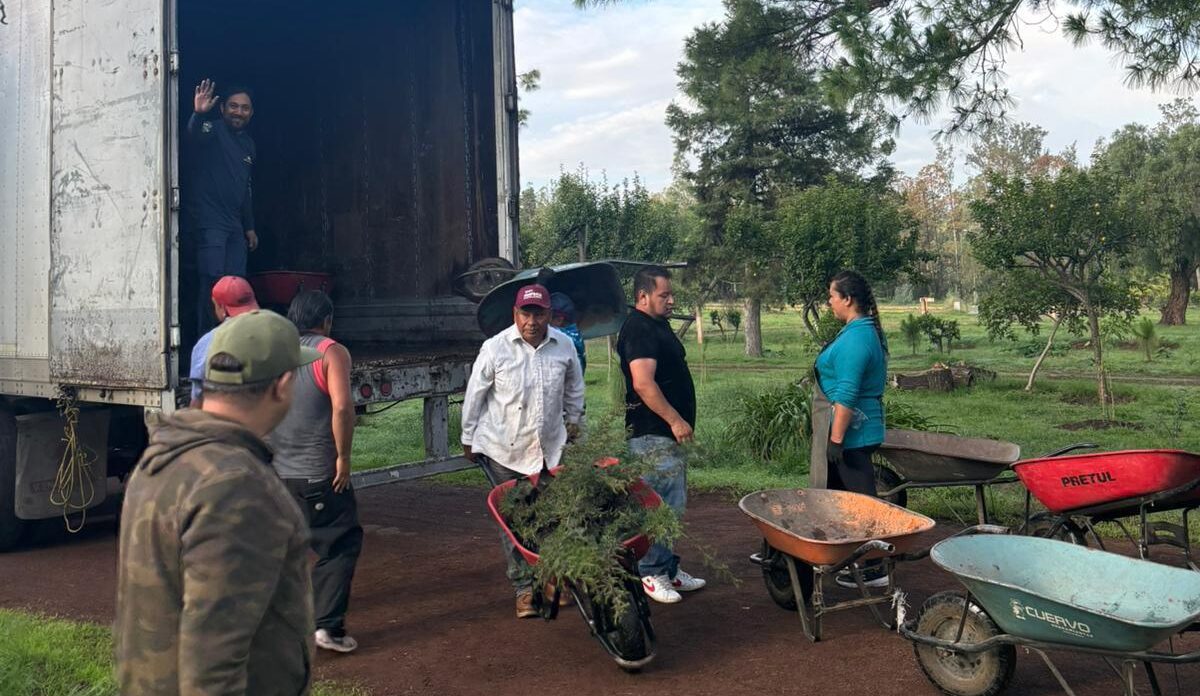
(214, 595)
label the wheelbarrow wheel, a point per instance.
(625, 633)
(962, 674)
(1046, 527)
(779, 581)
(886, 480)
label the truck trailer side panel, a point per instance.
(108, 324)
(24, 192)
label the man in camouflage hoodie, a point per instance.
(213, 595)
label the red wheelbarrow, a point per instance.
(1080, 490)
(626, 635)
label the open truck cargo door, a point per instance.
(108, 299)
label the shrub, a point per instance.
(1147, 336)
(910, 329)
(734, 317)
(773, 422)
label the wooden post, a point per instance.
(699, 325)
(437, 427)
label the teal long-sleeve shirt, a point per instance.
(853, 371)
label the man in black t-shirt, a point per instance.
(660, 402)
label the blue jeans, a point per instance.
(669, 480)
(220, 251)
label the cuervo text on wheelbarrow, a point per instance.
(1025, 612)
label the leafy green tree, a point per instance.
(829, 228)
(755, 124)
(623, 221)
(1159, 171)
(1069, 232)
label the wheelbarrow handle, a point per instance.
(873, 545)
(984, 529)
(1070, 448)
(977, 529)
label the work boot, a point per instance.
(564, 599)
(525, 605)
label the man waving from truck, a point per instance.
(220, 203)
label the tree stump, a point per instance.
(934, 379)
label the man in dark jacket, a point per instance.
(213, 591)
(220, 204)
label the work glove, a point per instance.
(835, 454)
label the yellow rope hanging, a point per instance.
(73, 489)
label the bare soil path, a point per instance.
(434, 615)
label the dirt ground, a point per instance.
(433, 614)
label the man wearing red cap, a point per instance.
(231, 296)
(525, 378)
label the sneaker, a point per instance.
(658, 588)
(525, 605)
(873, 577)
(342, 644)
(684, 582)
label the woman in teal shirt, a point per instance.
(847, 412)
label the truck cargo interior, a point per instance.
(375, 129)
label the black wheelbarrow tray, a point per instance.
(627, 635)
(918, 459)
(1044, 594)
(810, 534)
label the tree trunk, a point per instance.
(1045, 351)
(753, 321)
(809, 314)
(1098, 355)
(1174, 313)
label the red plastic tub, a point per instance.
(280, 287)
(641, 491)
(1081, 481)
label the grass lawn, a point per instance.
(1163, 414)
(43, 656)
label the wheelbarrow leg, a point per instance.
(1054, 671)
(1152, 678)
(980, 504)
(813, 631)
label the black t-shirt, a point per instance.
(643, 336)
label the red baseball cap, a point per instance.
(235, 295)
(533, 296)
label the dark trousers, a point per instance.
(856, 473)
(519, 573)
(337, 540)
(220, 251)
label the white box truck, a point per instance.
(386, 138)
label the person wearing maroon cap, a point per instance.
(231, 296)
(523, 382)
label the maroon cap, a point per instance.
(235, 295)
(533, 296)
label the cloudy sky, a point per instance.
(608, 75)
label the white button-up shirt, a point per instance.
(516, 397)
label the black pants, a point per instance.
(337, 540)
(856, 473)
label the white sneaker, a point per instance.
(658, 588)
(684, 582)
(343, 644)
(872, 577)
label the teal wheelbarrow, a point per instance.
(1048, 595)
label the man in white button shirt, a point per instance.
(524, 380)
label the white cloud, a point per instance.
(608, 74)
